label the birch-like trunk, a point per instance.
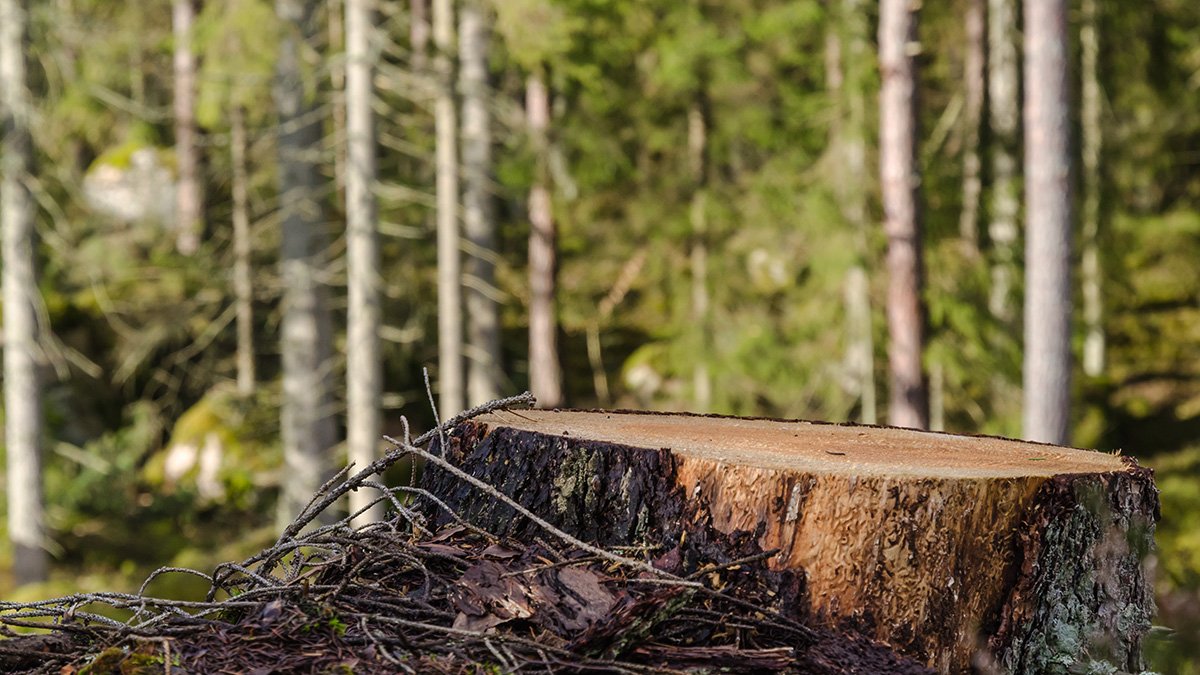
(1092, 145)
(243, 284)
(545, 375)
(364, 364)
(1004, 116)
(188, 195)
(479, 278)
(698, 217)
(449, 257)
(974, 87)
(908, 403)
(1048, 214)
(307, 426)
(22, 350)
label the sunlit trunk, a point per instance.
(545, 376)
(364, 366)
(1049, 218)
(1004, 117)
(188, 196)
(479, 278)
(449, 267)
(22, 350)
(908, 403)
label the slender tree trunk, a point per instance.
(22, 351)
(188, 196)
(698, 160)
(307, 425)
(337, 81)
(364, 365)
(1048, 211)
(450, 307)
(1092, 142)
(243, 285)
(848, 66)
(483, 308)
(545, 376)
(908, 404)
(419, 33)
(974, 83)
(1004, 112)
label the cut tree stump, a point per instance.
(961, 551)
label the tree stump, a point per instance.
(961, 551)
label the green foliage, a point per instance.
(237, 41)
(143, 339)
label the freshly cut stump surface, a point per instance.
(961, 551)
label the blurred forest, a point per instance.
(663, 204)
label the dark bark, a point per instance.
(999, 561)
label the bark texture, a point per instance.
(479, 220)
(451, 380)
(22, 348)
(364, 363)
(1047, 368)
(306, 420)
(955, 550)
(908, 404)
(545, 374)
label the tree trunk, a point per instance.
(1004, 117)
(545, 375)
(364, 364)
(419, 33)
(848, 68)
(22, 348)
(188, 196)
(1092, 145)
(450, 308)
(337, 81)
(956, 550)
(483, 307)
(974, 85)
(1048, 212)
(243, 284)
(908, 404)
(307, 426)
(698, 161)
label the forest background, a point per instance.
(244, 236)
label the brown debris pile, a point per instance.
(394, 597)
